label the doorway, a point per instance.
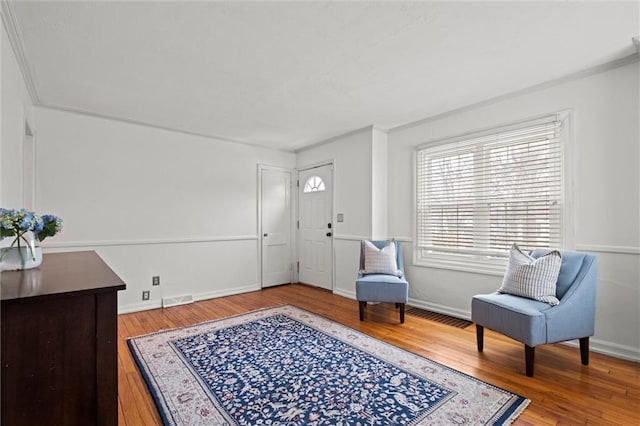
(275, 226)
(315, 234)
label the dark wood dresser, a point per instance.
(59, 353)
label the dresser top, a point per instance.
(70, 272)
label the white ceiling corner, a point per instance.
(9, 20)
(291, 74)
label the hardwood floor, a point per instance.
(563, 391)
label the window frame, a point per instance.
(488, 264)
(319, 188)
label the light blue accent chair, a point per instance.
(380, 287)
(536, 323)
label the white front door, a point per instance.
(315, 195)
(275, 226)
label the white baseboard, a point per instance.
(345, 293)
(226, 292)
(612, 349)
(441, 309)
(155, 304)
(137, 307)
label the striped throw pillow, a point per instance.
(532, 278)
(380, 261)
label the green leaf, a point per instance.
(6, 232)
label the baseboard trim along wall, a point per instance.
(226, 292)
(441, 309)
(344, 293)
(155, 304)
(595, 345)
(612, 349)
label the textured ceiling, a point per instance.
(289, 74)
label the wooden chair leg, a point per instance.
(480, 337)
(401, 313)
(362, 306)
(584, 350)
(397, 305)
(529, 353)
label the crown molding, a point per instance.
(617, 63)
(370, 128)
(15, 38)
(87, 113)
(334, 138)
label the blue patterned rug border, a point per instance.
(504, 415)
(148, 379)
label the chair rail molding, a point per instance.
(345, 237)
(77, 244)
(351, 237)
(600, 248)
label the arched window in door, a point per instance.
(314, 184)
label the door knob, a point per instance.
(328, 234)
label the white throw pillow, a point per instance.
(532, 278)
(380, 261)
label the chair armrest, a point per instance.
(574, 317)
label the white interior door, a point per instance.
(275, 203)
(315, 195)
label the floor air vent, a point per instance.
(177, 300)
(441, 318)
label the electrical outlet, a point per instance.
(155, 280)
(145, 295)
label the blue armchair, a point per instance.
(535, 323)
(382, 287)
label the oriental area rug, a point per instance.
(288, 366)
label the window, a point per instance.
(477, 195)
(314, 184)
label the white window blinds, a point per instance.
(478, 195)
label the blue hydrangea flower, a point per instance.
(15, 223)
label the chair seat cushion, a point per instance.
(382, 288)
(520, 318)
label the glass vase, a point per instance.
(17, 253)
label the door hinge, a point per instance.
(298, 224)
(298, 266)
(298, 183)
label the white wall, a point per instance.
(351, 155)
(379, 179)
(15, 108)
(606, 196)
(153, 202)
(352, 158)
